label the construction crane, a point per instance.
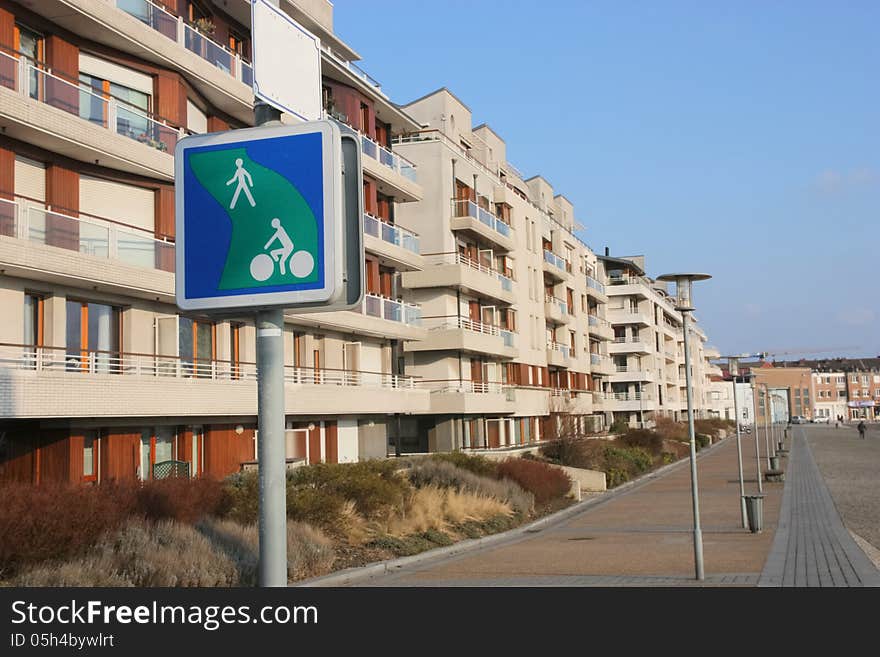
(763, 355)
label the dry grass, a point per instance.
(142, 553)
(443, 474)
(309, 551)
(435, 508)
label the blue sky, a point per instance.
(740, 139)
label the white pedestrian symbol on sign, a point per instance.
(243, 180)
(263, 266)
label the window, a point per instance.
(157, 446)
(235, 350)
(31, 45)
(93, 331)
(90, 455)
(238, 44)
(196, 346)
(131, 112)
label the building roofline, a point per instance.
(622, 261)
(434, 93)
(490, 129)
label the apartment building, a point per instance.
(101, 376)
(512, 302)
(647, 349)
(829, 393)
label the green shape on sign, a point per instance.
(274, 231)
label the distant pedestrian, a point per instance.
(862, 428)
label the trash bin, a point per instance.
(755, 512)
(774, 463)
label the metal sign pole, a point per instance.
(270, 422)
(695, 495)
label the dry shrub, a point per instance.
(142, 553)
(648, 440)
(441, 473)
(545, 482)
(184, 500)
(309, 552)
(713, 426)
(434, 508)
(669, 429)
(39, 523)
(475, 463)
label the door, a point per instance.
(351, 362)
(485, 257)
(488, 315)
(295, 443)
(493, 429)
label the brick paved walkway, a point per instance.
(812, 547)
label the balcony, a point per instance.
(556, 266)
(395, 244)
(599, 327)
(579, 402)
(377, 317)
(601, 365)
(453, 333)
(556, 310)
(392, 169)
(630, 401)
(628, 285)
(455, 397)
(473, 220)
(458, 271)
(72, 119)
(596, 290)
(628, 345)
(628, 316)
(50, 382)
(626, 373)
(146, 30)
(104, 252)
(558, 354)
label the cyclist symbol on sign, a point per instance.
(301, 263)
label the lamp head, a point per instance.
(683, 286)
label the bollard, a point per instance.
(755, 512)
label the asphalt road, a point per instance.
(851, 470)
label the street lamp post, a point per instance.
(757, 440)
(766, 422)
(683, 304)
(733, 368)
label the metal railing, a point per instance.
(628, 396)
(392, 310)
(555, 260)
(456, 258)
(562, 305)
(390, 233)
(393, 161)
(564, 349)
(445, 386)
(442, 322)
(84, 362)
(594, 284)
(354, 69)
(88, 235)
(32, 81)
(467, 208)
(186, 35)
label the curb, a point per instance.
(358, 573)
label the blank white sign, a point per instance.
(287, 62)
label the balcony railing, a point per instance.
(393, 161)
(596, 285)
(355, 69)
(597, 359)
(30, 80)
(186, 35)
(626, 280)
(555, 260)
(456, 258)
(564, 349)
(93, 236)
(454, 321)
(628, 396)
(467, 208)
(392, 234)
(77, 362)
(562, 305)
(446, 386)
(392, 310)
